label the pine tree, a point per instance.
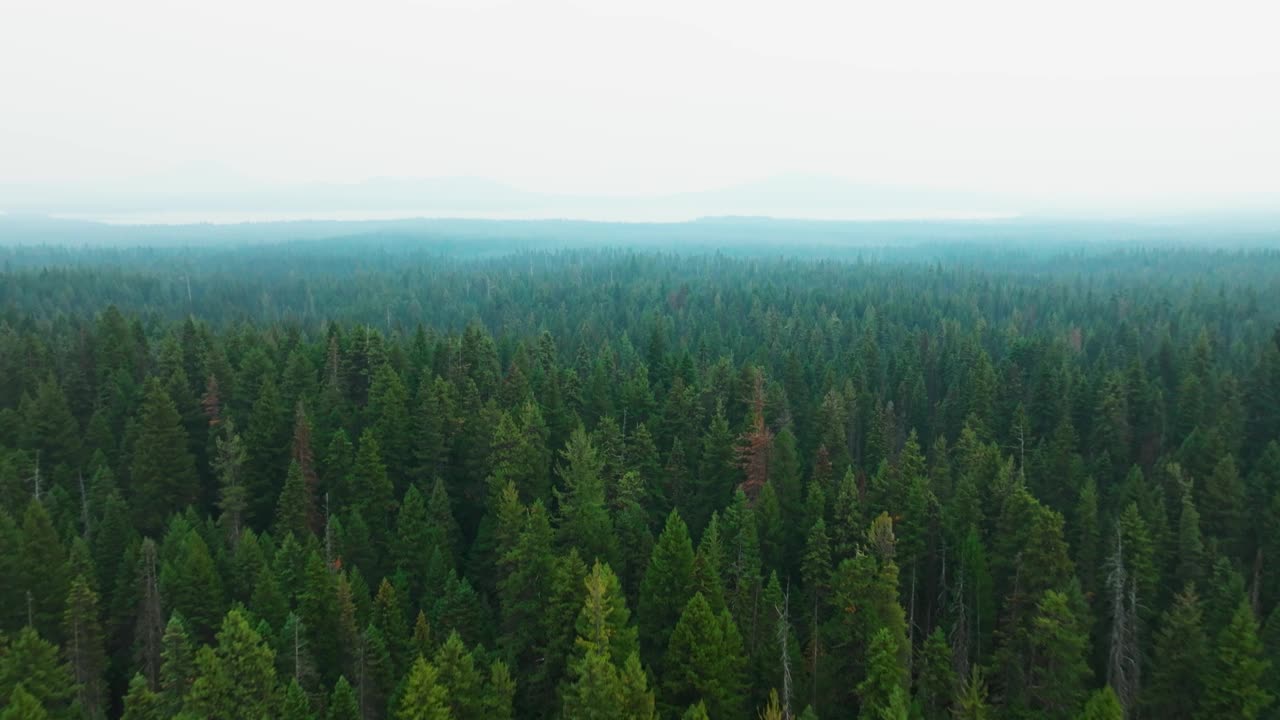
(163, 474)
(666, 589)
(1058, 670)
(140, 703)
(1222, 505)
(266, 441)
(584, 521)
(1233, 684)
(886, 678)
(971, 701)
(229, 460)
(33, 664)
(342, 702)
(1103, 705)
(43, 575)
(193, 586)
(935, 677)
(149, 618)
(424, 697)
(704, 662)
(237, 678)
(373, 494)
(292, 512)
(412, 546)
(707, 562)
(462, 680)
(23, 706)
(388, 414)
(1180, 656)
(1191, 551)
(83, 646)
(295, 705)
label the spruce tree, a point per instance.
(236, 678)
(1102, 705)
(665, 590)
(885, 682)
(584, 520)
(704, 662)
(1237, 669)
(1179, 660)
(163, 473)
(83, 646)
(424, 698)
(140, 703)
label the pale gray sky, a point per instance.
(1088, 97)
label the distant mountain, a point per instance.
(795, 196)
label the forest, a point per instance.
(363, 478)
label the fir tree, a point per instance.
(163, 474)
(237, 677)
(424, 697)
(83, 646)
(1237, 668)
(704, 662)
(666, 589)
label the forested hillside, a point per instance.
(340, 480)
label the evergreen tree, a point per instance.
(1180, 657)
(886, 679)
(424, 698)
(295, 705)
(1237, 668)
(935, 677)
(83, 646)
(292, 511)
(1058, 670)
(140, 703)
(43, 575)
(32, 664)
(342, 702)
(229, 461)
(237, 677)
(23, 706)
(704, 662)
(163, 473)
(584, 521)
(666, 589)
(971, 700)
(1103, 705)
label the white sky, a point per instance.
(1079, 97)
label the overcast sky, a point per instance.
(1079, 97)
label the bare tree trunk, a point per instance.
(784, 626)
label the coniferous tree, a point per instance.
(163, 473)
(1237, 668)
(1103, 705)
(704, 662)
(83, 646)
(1179, 659)
(140, 703)
(881, 693)
(295, 704)
(584, 520)
(292, 511)
(43, 576)
(666, 589)
(237, 677)
(342, 702)
(32, 663)
(424, 698)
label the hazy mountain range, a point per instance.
(177, 200)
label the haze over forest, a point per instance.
(668, 360)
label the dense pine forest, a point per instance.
(330, 480)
